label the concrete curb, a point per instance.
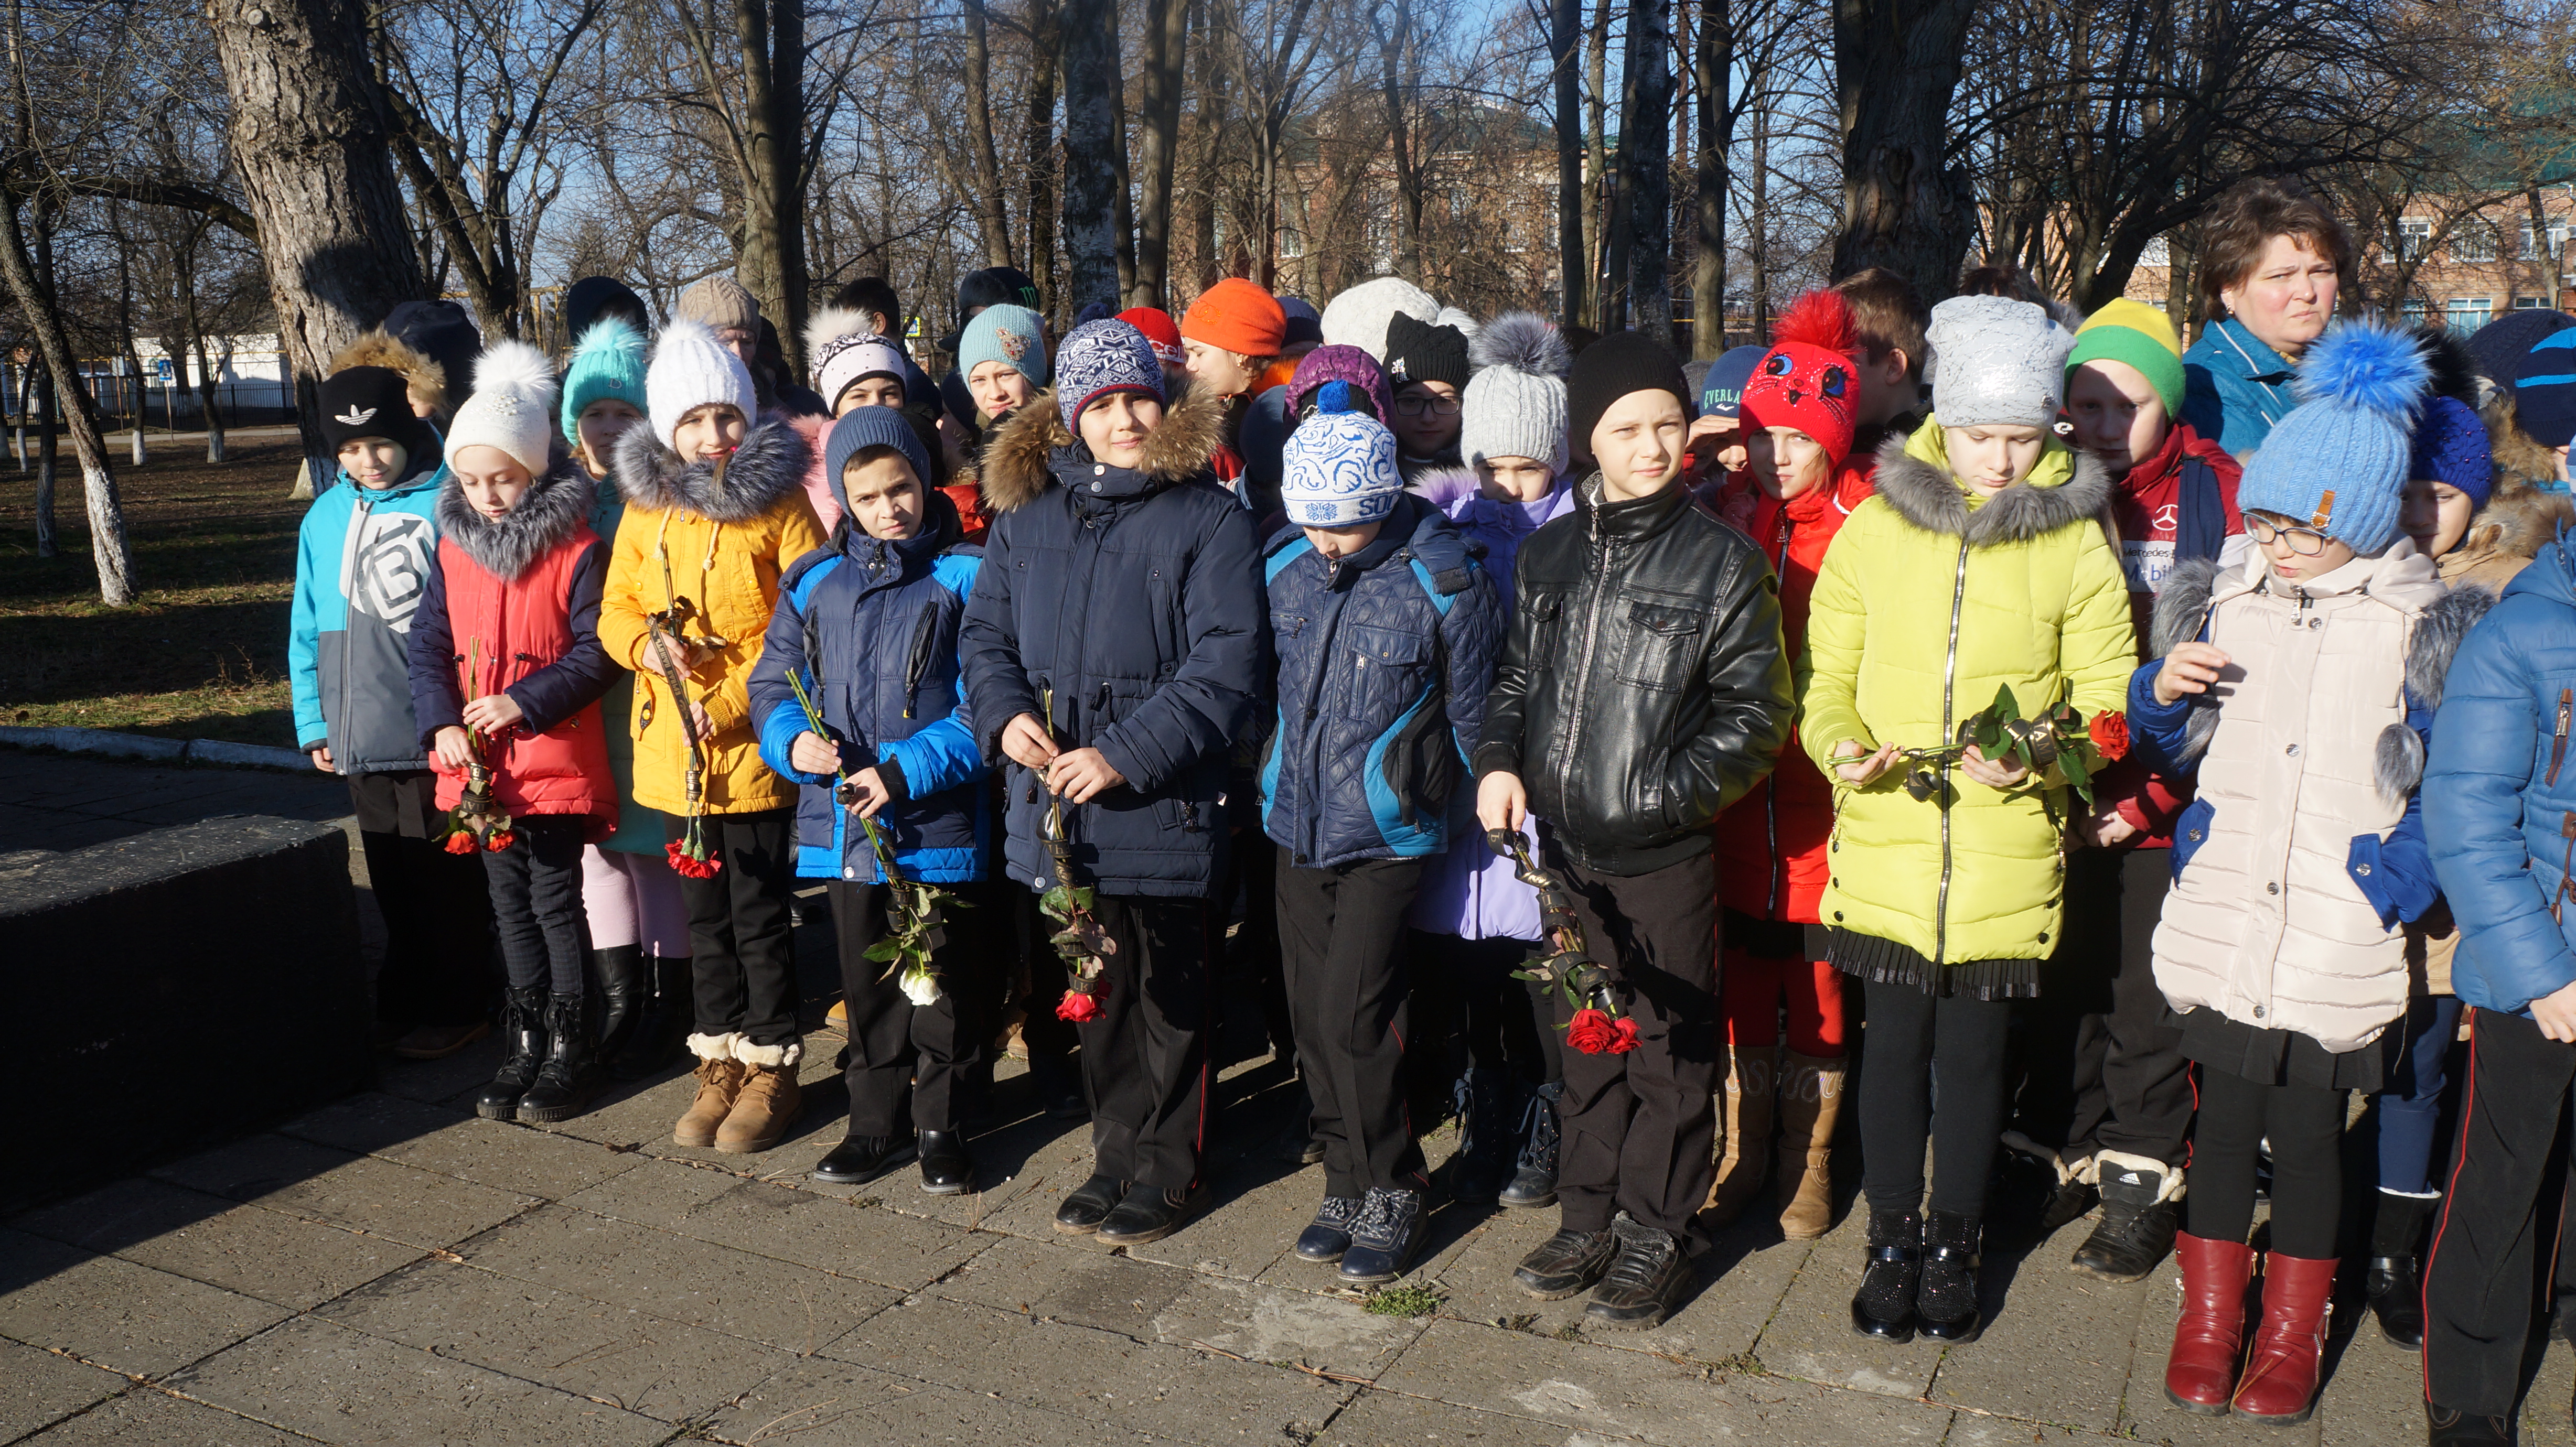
(159, 751)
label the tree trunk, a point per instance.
(771, 35)
(1573, 258)
(1167, 39)
(187, 284)
(1896, 65)
(1399, 139)
(2541, 248)
(1600, 187)
(1713, 70)
(48, 545)
(992, 217)
(1046, 35)
(1122, 208)
(309, 140)
(1645, 140)
(1090, 131)
(1759, 253)
(33, 290)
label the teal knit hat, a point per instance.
(1011, 335)
(607, 362)
(2338, 462)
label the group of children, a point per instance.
(1538, 695)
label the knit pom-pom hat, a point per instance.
(1806, 381)
(844, 350)
(690, 370)
(1359, 316)
(608, 361)
(1514, 405)
(512, 408)
(1338, 468)
(1100, 358)
(2451, 448)
(2338, 462)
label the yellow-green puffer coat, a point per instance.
(1928, 601)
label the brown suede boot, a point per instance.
(768, 1102)
(1743, 1129)
(719, 1081)
(1811, 1099)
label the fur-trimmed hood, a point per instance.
(1020, 456)
(423, 378)
(2519, 457)
(770, 464)
(1928, 497)
(555, 504)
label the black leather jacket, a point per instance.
(1643, 686)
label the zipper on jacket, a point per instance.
(1573, 702)
(1312, 807)
(365, 505)
(1949, 684)
(920, 662)
(1771, 785)
(2558, 739)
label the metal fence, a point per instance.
(245, 402)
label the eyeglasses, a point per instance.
(1427, 406)
(2306, 542)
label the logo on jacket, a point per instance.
(386, 567)
(354, 417)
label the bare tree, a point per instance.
(1165, 76)
(1905, 206)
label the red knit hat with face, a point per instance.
(1156, 324)
(1807, 380)
(1237, 316)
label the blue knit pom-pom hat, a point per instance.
(608, 361)
(2338, 462)
(1338, 468)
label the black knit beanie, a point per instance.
(1610, 369)
(357, 402)
(1420, 351)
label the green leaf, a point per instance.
(2006, 706)
(885, 949)
(1057, 901)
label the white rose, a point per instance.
(921, 987)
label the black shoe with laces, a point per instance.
(1533, 1182)
(1329, 1234)
(1945, 1302)
(1089, 1204)
(1150, 1213)
(1566, 1263)
(1384, 1237)
(1884, 1305)
(1644, 1280)
(2448, 1428)
(861, 1159)
(523, 1025)
(2137, 1230)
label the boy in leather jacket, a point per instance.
(1642, 689)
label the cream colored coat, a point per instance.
(2265, 924)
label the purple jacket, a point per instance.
(1469, 891)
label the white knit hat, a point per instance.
(691, 369)
(843, 349)
(1996, 362)
(1337, 470)
(513, 407)
(1358, 317)
(1514, 404)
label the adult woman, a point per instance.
(2272, 263)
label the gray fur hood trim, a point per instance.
(2181, 604)
(2438, 632)
(1017, 454)
(769, 465)
(1930, 499)
(507, 546)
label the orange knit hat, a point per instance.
(1237, 316)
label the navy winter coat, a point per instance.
(1136, 597)
(2500, 791)
(872, 625)
(1384, 659)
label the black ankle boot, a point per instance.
(661, 1025)
(564, 1084)
(1945, 1304)
(623, 989)
(523, 1025)
(2394, 1280)
(1485, 1159)
(1884, 1305)
(1533, 1182)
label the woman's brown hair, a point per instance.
(2240, 223)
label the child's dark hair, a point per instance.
(1888, 315)
(2001, 278)
(872, 294)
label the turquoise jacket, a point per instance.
(2234, 387)
(362, 562)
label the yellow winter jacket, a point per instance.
(721, 543)
(1928, 601)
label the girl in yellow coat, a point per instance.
(715, 511)
(1980, 564)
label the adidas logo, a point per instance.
(354, 417)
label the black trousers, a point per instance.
(2099, 1068)
(742, 944)
(2304, 1125)
(1638, 1128)
(436, 906)
(1918, 1047)
(1144, 1057)
(908, 1062)
(1507, 1024)
(1341, 946)
(536, 903)
(2480, 1283)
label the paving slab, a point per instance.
(826, 1403)
(38, 1388)
(1142, 1386)
(635, 1113)
(1328, 1332)
(1810, 1336)
(443, 1082)
(649, 1364)
(832, 1233)
(146, 1418)
(1378, 1418)
(423, 1208)
(116, 1313)
(2056, 1346)
(324, 1380)
(528, 1160)
(278, 1258)
(1082, 1285)
(679, 1278)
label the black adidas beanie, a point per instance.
(1420, 351)
(1610, 369)
(360, 402)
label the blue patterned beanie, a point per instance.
(1338, 467)
(1099, 358)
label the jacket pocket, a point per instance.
(1546, 625)
(1383, 672)
(2190, 832)
(1659, 645)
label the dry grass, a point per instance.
(203, 655)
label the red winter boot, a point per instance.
(2280, 1382)
(2201, 1373)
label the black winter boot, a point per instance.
(662, 1024)
(1884, 1305)
(623, 988)
(1533, 1182)
(2139, 1217)
(1945, 1305)
(2395, 1277)
(523, 1025)
(571, 1072)
(1486, 1151)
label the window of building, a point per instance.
(2529, 303)
(2468, 313)
(1292, 242)
(2557, 234)
(2473, 242)
(2414, 237)
(2157, 253)
(2411, 311)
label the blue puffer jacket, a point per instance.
(2500, 791)
(2234, 387)
(1135, 596)
(878, 622)
(1384, 659)
(363, 559)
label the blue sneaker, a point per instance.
(1389, 1230)
(1324, 1242)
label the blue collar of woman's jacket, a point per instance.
(2251, 355)
(2552, 574)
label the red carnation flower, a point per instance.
(689, 866)
(1078, 1007)
(460, 842)
(1595, 1033)
(2110, 734)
